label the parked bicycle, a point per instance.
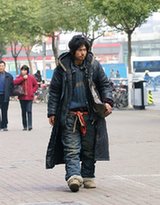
(120, 95)
(41, 95)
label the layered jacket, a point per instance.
(60, 94)
(29, 85)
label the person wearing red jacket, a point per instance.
(30, 86)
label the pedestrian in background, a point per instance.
(6, 86)
(147, 77)
(117, 74)
(112, 74)
(38, 77)
(30, 86)
(78, 132)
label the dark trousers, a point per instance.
(26, 107)
(78, 147)
(4, 112)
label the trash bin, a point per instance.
(139, 94)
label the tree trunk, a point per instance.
(130, 75)
(15, 53)
(92, 38)
(91, 43)
(16, 64)
(55, 47)
(30, 64)
(2, 50)
(129, 53)
(28, 51)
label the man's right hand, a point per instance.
(52, 120)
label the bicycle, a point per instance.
(120, 97)
(41, 95)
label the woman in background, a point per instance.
(30, 86)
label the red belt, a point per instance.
(79, 116)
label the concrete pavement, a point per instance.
(132, 177)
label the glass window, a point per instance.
(141, 66)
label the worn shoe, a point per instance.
(74, 183)
(89, 183)
(24, 129)
(5, 129)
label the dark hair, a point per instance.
(25, 67)
(38, 72)
(2, 62)
(77, 41)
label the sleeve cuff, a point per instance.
(109, 101)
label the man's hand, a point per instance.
(108, 109)
(52, 120)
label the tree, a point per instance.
(20, 23)
(126, 16)
(3, 34)
(12, 25)
(2, 45)
(33, 30)
(89, 23)
(60, 15)
(52, 21)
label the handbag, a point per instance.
(18, 90)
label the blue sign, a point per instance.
(111, 69)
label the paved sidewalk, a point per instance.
(132, 177)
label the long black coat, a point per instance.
(59, 97)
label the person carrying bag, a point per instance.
(28, 85)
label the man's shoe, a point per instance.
(24, 129)
(5, 129)
(89, 183)
(74, 183)
(29, 129)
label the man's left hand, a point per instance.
(108, 109)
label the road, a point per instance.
(131, 177)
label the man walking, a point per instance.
(78, 133)
(6, 86)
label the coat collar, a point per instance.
(66, 58)
(7, 74)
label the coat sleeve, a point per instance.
(18, 80)
(35, 84)
(11, 84)
(8, 87)
(102, 83)
(55, 90)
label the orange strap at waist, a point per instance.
(81, 120)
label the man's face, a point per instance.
(2, 67)
(81, 53)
